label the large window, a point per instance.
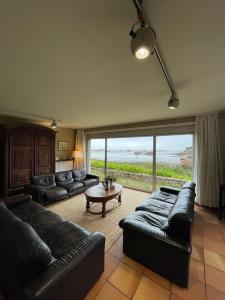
(143, 163)
(173, 160)
(130, 160)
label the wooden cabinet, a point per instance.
(28, 151)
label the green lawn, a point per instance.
(179, 172)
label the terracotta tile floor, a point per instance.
(126, 279)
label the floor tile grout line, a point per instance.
(100, 289)
(118, 289)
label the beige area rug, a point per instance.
(74, 210)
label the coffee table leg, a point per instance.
(119, 199)
(87, 205)
(103, 209)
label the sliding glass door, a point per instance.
(143, 163)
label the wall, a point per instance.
(222, 139)
(64, 134)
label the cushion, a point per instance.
(44, 180)
(27, 210)
(144, 217)
(26, 245)
(156, 206)
(43, 221)
(64, 177)
(74, 186)
(6, 216)
(165, 197)
(54, 194)
(91, 181)
(79, 175)
(63, 236)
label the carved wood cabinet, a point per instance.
(25, 151)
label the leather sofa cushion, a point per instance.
(165, 197)
(144, 217)
(6, 216)
(27, 210)
(63, 236)
(155, 206)
(79, 175)
(43, 221)
(91, 181)
(64, 177)
(180, 218)
(74, 186)
(25, 245)
(54, 193)
(44, 180)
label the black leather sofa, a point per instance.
(44, 257)
(158, 233)
(46, 189)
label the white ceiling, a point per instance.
(70, 60)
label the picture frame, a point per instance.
(63, 146)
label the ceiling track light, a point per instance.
(143, 44)
(54, 124)
(173, 102)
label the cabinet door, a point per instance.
(21, 158)
(44, 152)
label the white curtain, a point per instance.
(208, 163)
(80, 145)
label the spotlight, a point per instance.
(173, 103)
(54, 124)
(143, 41)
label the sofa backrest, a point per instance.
(79, 175)
(180, 218)
(64, 177)
(44, 180)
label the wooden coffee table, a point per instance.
(97, 194)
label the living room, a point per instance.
(112, 150)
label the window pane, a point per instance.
(173, 160)
(130, 161)
(97, 157)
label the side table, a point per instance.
(221, 207)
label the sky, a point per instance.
(173, 142)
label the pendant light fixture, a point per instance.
(143, 44)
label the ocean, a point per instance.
(162, 156)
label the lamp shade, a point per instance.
(77, 154)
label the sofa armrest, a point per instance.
(92, 176)
(73, 274)
(13, 201)
(36, 191)
(169, 190)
